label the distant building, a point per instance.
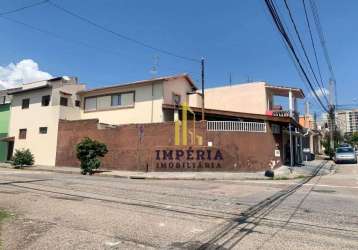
(312, 135)
(347, 120)
(307, 121)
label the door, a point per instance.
(10, 149)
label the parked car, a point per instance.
(345, 154)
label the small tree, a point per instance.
(352, 138)
(326, 142)
(23, 157)
(87, 152)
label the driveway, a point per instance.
(63, 211)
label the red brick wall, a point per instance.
(133, 147)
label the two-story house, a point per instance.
(136, 102)
(254, 97)
(36, 109)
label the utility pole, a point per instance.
(290, 107)
(331, 109)
(202, 90)
(291, 146)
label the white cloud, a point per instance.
(24, 71)
(321, 93)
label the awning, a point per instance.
(7, 139)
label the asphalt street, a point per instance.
(67, 211)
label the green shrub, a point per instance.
(23, 157)
(87, 152)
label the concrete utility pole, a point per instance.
(290, 107)
(331, 109)
(291, 144)
(202, 91)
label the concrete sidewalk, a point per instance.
(282, 172)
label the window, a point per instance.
(116, 100)
(90, 104)
(43, 130)
(77, 103)
(45, 100)
(344, 150)
(22, 133)
(106, 102)
(127, 99)
(176, 99)
(103, 102)
(63, 101)
(25, 103)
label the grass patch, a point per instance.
(3, 215)
(285, 178)
(280, 178)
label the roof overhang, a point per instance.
(117, 87)
(7, 139)
(65, 93)
(21, 90)
(284, 91)
(236, 114)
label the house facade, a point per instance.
(254, 98)
(137, 102)
(36, 109)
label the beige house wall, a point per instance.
(148, 100)
(247, 98)
(178, 86)
(70, 112)
(43, 146)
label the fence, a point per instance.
(258, 127)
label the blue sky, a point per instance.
(233, 36)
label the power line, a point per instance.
(57, 36)
(304, 50)
(72, 40)
(322, 38)
(122, 36)
(24, 7)
(313, 44)
(273, 11)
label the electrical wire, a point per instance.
(313, 44)
(304, 50)
(276, 18)
(322, 38)
(24, 7)
(117, 34)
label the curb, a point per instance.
(136, 177)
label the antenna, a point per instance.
(230, 79)
(154, 69)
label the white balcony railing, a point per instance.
(258, 127)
